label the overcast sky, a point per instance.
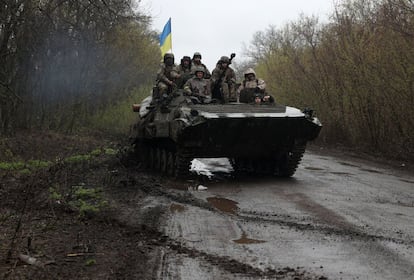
(220, 27)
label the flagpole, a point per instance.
(171, 50)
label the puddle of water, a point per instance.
(224, 204)
(244, 240)
(313, 168)
(177, 208)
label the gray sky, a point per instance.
(215, 28)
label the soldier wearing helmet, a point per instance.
(253, 89)
(223, 81)
(198, 86)
(184, 69)
(167, 75)
(196, 61)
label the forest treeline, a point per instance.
(71, 63)
(67, 62)
(356, 71)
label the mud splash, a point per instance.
(245, 240)
(224, 204)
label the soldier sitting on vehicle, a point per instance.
(253, 89)
(197, 87)
(184, 69)
(223, 81)
(166, 77)
(197, 62)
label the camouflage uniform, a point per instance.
(198, 87)
(223, 81)
(197, 62)
(166, 75)
(252, 88)
(185, 71)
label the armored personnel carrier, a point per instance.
(263, 139)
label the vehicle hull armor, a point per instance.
(269, 139)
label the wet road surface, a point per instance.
(335, 219)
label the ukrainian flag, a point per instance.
(165, 38)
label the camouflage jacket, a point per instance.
(226, 75)
(256, 83)
(197, 87)
(182, 70)
(185, 73)
(207, 74)
(167, 73)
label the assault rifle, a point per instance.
(217, 92)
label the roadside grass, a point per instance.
(24, 166)
(27, 167)
(86, 200)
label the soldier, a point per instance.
(253, 89)
(166, 76)
(197, 62)
(197, 86)
(184, 69)
(223, 81)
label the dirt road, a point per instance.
(336, 219)
(85, 215)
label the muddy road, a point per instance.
(89, 216)
(338, 218)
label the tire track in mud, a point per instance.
(153, 237)
(341, 232)
(325, 221)
(341, 227)
(147, 228)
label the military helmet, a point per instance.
(197, 54)
(225, 59)
(168, 55)
(199, 69)
(186, 58)
(249, 71)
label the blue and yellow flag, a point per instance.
(165, 38)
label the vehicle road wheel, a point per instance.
(164, 161)
(157, 159)
(182, 164)
(170, 163)
(151, 158)
(290, 161)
